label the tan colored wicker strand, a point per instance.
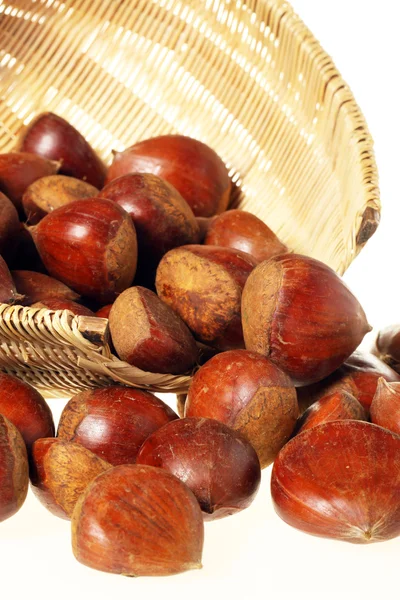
(246, 77)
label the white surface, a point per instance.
(254, 554)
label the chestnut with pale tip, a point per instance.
(137, 520)
(340, 480)
(297, 312)
(385, 406)
(14, 472)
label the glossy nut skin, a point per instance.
(387, 346)
(298, 313)
(60, 472)
(9, 227)
(35, 286)
(249, 394)
(334, 407)
(113, 422)
(48, 193)
(340, 480)
(147, 333)
(163, 219)
(90, 245)
(138, 521)
(193, 168)
(8, 291)
(52, 137)
(61, 304)
(18, 170)
(104, 311)
(25, 408)
(203, 285)
(244, 231)
(14, 477)
(192, 450)
(385, 407)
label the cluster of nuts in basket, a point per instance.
(188, 287)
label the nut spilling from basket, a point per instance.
(189, 287)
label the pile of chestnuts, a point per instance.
(189, 287)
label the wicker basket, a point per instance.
(246, 77)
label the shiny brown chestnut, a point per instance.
(385, 406)
(340, 480)
(61, 304)
(90, 245)
(249, 394)
(297, 312)
(193, 168)
(9, 227)
(8, 291)
(52, 137)
(14, 476)
(18, 170)
(163, 219)
(148, 334)
(25, 408)
(138, 521)
(35, 286)
(219, 466)
(203, 285)
(113, 422)
(48, 193)
(387, 346)
(60, 472)
(335, 407)
(244, 231)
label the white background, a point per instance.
(254, 554)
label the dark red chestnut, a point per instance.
(138, 520)
(61, 304)
(192, 167)
(35, 286)
(340, 480)
(60, 473)
(298, 313)
(90, 245)
(48, 193)
(203, 284)
(148, 334)
(163, 220)
(52, 137)
(18, 170)
(249, 394)
(385, 407)
(334, 407)
(14, 476)
(387, 346)
(113, 422)
(244, 231)
(219, 466)
(104, 311)
(9, 227)
(25, 408)
(8, 292)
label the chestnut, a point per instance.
(387, 346)
(148, 334)
(52, 137)
(18, 170)
(298, 313)
(9, 227)
(60, 472)
(219, 466)
(49, 193)
(244, 231)
(249, 394)
(385, 406)
(163, 219)
(340, 480)
(14, 476)
(137, 520)
(25, 408)
(8, 292)
(113, 422)
(62, 304)
(193, 168)
(104, 311)
(35, 286)
(334, 407)
(203, 285)
(90, 245)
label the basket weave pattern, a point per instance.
(246, 77)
